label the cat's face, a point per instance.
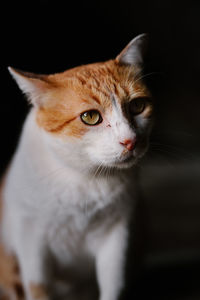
(93, 115)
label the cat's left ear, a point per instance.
(133, 53)
(33, 85)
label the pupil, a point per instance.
(139, 105)
(91, 114)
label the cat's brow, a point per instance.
(96, 99)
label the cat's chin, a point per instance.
(130, 161)
(125, 164)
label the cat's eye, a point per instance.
(91, 117)
(137, 106)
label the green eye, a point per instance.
(138, 105)
(91, 117)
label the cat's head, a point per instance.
(94, 115)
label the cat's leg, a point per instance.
(110, 260)
(31, 254)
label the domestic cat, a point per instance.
(69, 191)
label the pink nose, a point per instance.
(129, 144)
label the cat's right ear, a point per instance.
(133, 54)
(33, 85)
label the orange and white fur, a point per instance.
(70, 189)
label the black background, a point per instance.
(51, 36)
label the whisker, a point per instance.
(170, 154)
(173, 149)
(162, 156)
(146, 75)
(175, 133)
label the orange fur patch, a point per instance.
(38, 291)
(83, 88)
(10, 282)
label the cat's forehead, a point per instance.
(100, 81)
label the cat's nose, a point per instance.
(129, 144)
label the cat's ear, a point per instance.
(133, 53)
(33, 85)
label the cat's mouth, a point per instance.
(131, 159)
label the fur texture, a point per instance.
(70, 189)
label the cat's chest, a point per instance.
(79, 212)
(88, 195)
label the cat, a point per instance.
(70, 191)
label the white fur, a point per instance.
(61, 205)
